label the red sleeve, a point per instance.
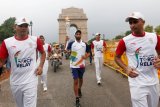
(104, 44)
(121, 48)
(92, 45)
(49, 48)
(39, 45)
(158, 43)
(3, 51)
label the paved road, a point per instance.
(113, 93)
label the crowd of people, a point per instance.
(28, 57)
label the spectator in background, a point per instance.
(47, 49)
(98, 46)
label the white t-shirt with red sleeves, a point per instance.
(98, 46)
(141, 52)
(47, 48)
(22, 55)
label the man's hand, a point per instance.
(84, 57)
(131, 72)
(2, 62)
(92, 54)
(39, 70)
(156, 63)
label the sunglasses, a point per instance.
(133, 22)
(23, 25)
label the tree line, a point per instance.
(147, 28)
(7, 29)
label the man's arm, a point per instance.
(2, 62)
(157, 59)
(119, 62)
(87, 54)
(43, 56)
(104, 46)
(3, 54)
(119, 51)
(69, 46)
(92, 48)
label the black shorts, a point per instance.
(77, 72)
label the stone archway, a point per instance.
(76, 18)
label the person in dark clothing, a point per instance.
(1, 70)
(90, 57)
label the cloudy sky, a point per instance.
(104, 16)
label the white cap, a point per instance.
(135, 15)
(21, 21)
(98, 34)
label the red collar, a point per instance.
(21, 39)
(139, 35)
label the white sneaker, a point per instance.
(45, 89)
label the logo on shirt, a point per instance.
(75, 60)
(143, 60)
(73, 57)
(133, 43)
(137, 52)
(98, 48)
(24, 62)
(146, 60)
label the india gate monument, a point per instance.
(72, 17)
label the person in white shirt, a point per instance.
(142, 51)
(21, 52)
(79, 52)
(47, 49)
(97, 47)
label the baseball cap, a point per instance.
(98, 34)
(22, 20)
(135, 15)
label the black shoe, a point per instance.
(60, 63)
(99, 84)
(78, 102)
(79, 93)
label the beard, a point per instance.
(78, 38)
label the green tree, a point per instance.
(148, 28)
(127, 32)
(118, 37)
(90, 41)
(157, 30)
(7, 28)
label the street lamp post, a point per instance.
(103, 36)
(31, 23)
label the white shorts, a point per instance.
(145, 96)
(25, 95)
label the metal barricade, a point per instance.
(109, 55)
